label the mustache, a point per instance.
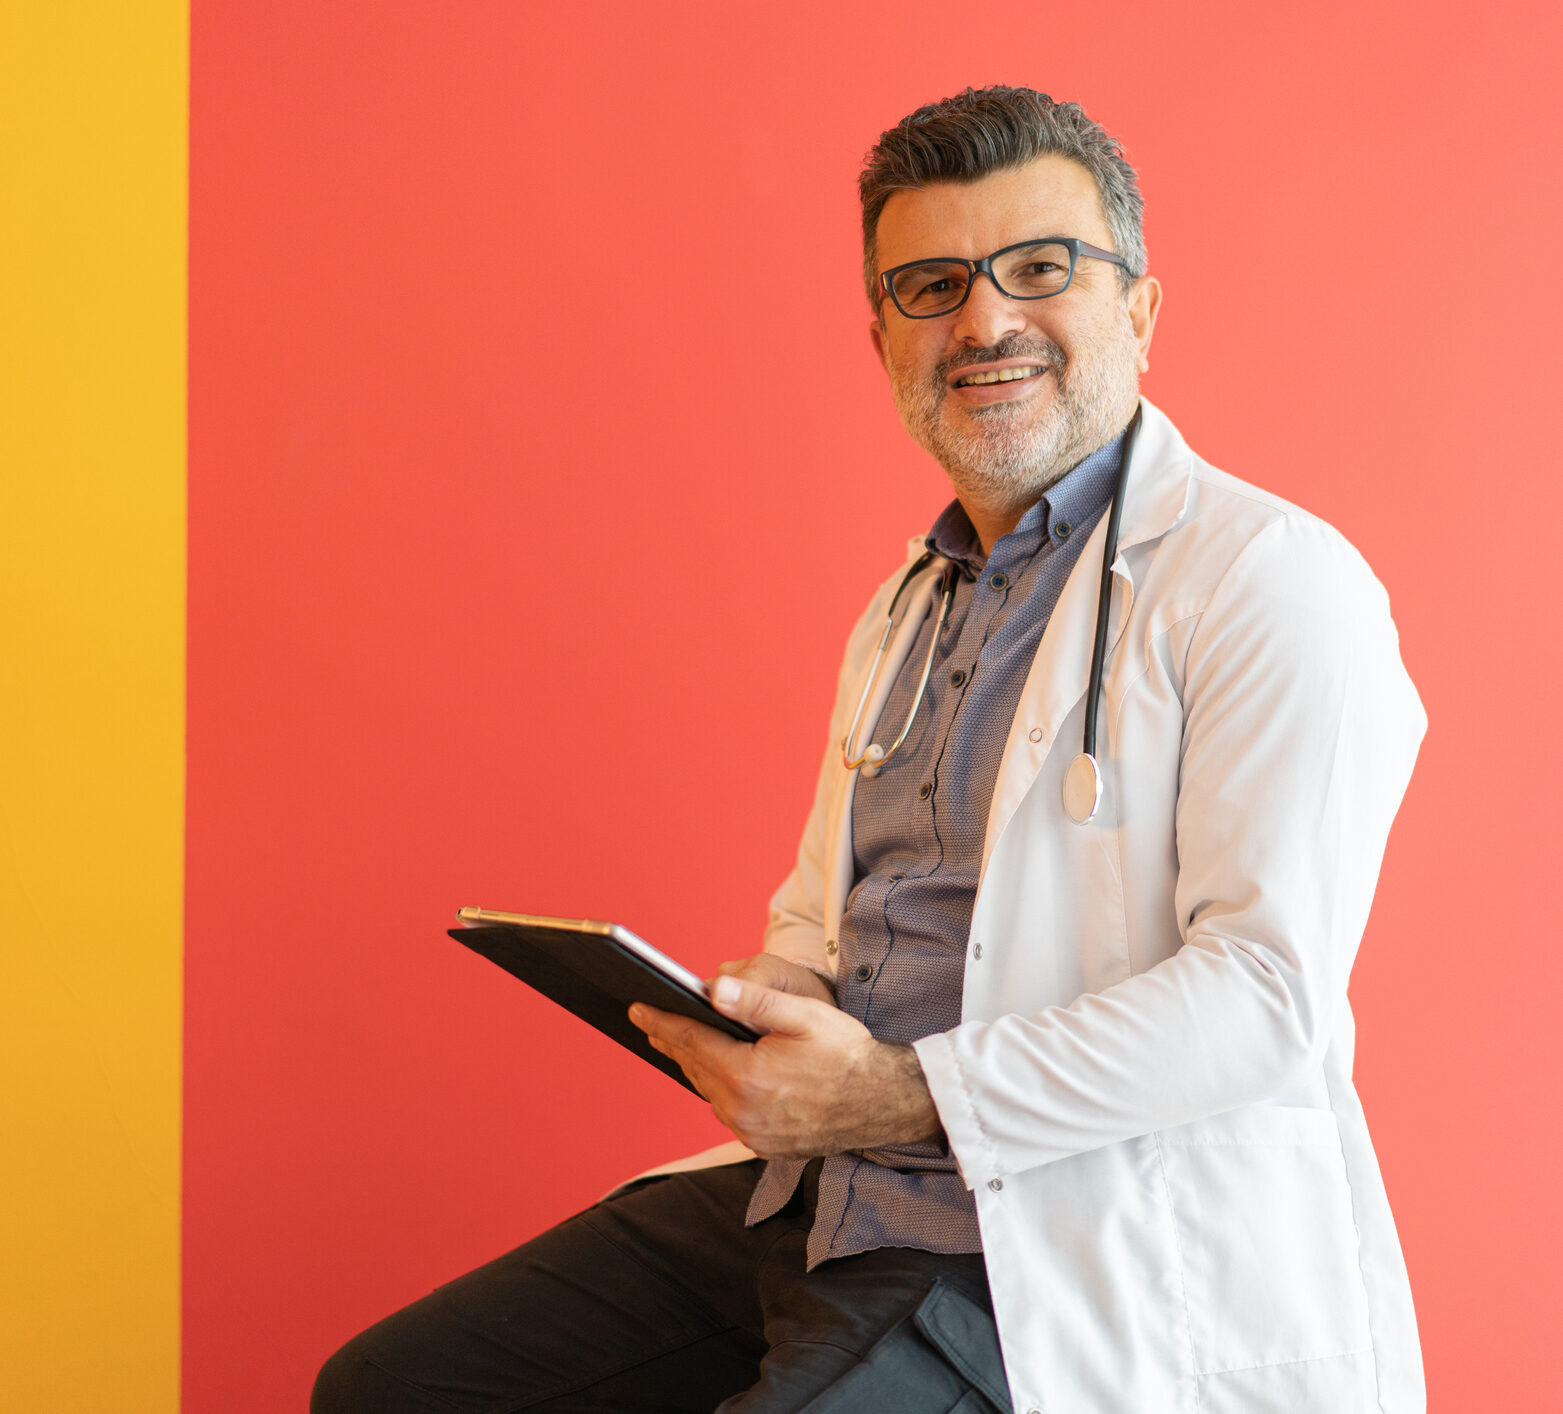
(1042, 350)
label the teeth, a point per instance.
(1000, 375)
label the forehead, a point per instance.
(1050, 196)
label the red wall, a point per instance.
(525, 530)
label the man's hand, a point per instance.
(767, 970)
(816, 1082)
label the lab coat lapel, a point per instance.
(1160, 479)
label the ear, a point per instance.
(1144, 305)
(876, 336)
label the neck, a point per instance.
(993, 514)
(991, 523)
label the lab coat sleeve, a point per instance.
(1300, 730)
(796, 929)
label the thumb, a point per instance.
(764, 1009)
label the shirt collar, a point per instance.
(1070, 502)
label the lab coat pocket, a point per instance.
(1267, 1239)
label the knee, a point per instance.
(349, 1383)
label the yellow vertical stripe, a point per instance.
(93, 116)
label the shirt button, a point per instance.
(996, 1184)
(864, 972)
(999, 580)
(1036, 733)
(957, 677)
(925, 790)
(899, 874)
(1062, 529)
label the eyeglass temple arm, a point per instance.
(1097, 253)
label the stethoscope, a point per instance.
(1083, 779)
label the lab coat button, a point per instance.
(996, 1184)
(1036, 733)
(977, 951)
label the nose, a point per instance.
(988, 315)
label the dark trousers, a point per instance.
(658, 1298)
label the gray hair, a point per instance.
(986, 130)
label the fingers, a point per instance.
(765, 1009)
(763, 969)
(768, 970)
(670, 1033)
(704, 1053)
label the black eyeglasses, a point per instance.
(925, 289)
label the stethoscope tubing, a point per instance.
(1083, 785)
(1104, 599)
(873, 755)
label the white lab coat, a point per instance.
(1150, 1089)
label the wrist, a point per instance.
(909, 1110)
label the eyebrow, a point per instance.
(1008, 245)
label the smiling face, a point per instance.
(1007, 395)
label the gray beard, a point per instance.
(1006, 459)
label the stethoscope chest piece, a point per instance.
(1082, 788)
(1083, 780)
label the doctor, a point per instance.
(1052, 1113)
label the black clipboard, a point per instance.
(595, 970)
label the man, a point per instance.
(1055, 1105)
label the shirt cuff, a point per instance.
(975, 1156)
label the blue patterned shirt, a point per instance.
(917, 833)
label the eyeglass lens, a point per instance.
(1027, 272)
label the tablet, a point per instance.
(595, 970)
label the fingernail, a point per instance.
(727, 989)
